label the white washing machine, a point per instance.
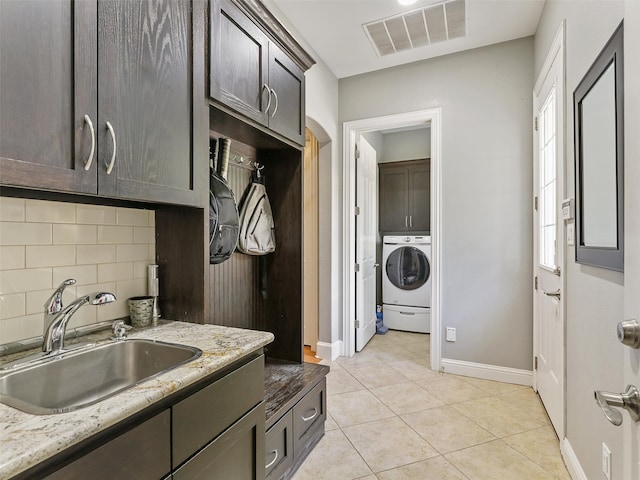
(406, 282)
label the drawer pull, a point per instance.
(113, 155)
(88, 121)
(314, 415)
(274, 459)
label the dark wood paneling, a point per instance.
(48, 57)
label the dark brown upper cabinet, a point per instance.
(251, 73)
(404, 200)
(110, 111)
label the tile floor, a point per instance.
(392, 418)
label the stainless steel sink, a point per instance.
(79, 379)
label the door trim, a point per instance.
(557, 50)
(350, 131)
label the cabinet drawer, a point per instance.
(141, 453)
(203, 416)
(237, 454)
(309, 415)
(279, 447)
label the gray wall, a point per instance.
(594, 297)
(410, 145)
(485, 96)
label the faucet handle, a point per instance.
(119, 329)
(54, 304)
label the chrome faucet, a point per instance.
(57, 318)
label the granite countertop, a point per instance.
(26, 440)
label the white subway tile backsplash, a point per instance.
(95, 215)
(133, 217)
(112, 272)
(144, 234)
(27, 280)
(130, 253)
(12, 305)
(74, 234)
(83, 274)
(95, 254)
(12, 209)
(50, 212)
(12, 257)
(50, 255)
(43, 243)
(25, 233)
(113, 234)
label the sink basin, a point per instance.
(78, 379)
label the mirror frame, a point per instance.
(611, 258)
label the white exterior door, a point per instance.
(366, 228)
(549, 237)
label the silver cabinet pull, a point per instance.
(629, 333)
(113, 155)
(406, 221)
(87, 164)
(555, 294)
(315, 413)
(268, 101)
(629, 400)
(376, 265)
(410, 221)
(276, 107)
(274, 459)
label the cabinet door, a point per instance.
(146, 56)
(287, 112)
(236, 454)
(48, 77)
(393, 203)
(238, 61)
(419, 197)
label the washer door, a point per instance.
(408, 268)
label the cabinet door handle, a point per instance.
(87, 164)
(276, 107)
(311, 417)
(268, 101)
(113, 155)
(410, 221)
(274, 458)
(406, 222)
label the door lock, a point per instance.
(629, 333)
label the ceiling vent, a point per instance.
(418, 28)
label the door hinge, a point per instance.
(535, 283)
(535, 203)
(535, 123)
(356, 210)
(535, 362)
(357, 323)
(356, 267)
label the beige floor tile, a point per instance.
(405, 398)
(393, 353)
(366, 358)
(378, 377)
(527, 400)
(341, 381)
(332, 365)
(415, 369)
(495, 388)
(333, 458)
(353, 408)
(446, 429)
(496, 461)
(388, 443)
(451, 389)
(541, 446)
(437, 468)
(405, 338)
(499, 417)
(369, 477)
(330, 423)
(418, 349)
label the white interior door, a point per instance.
(366, 203)
(548, 240)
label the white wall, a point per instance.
(485, 96)
(410, 145)
(594, 296)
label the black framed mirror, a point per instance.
(598, 103)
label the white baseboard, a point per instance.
(329, 351)
(571, 461)
(487, 372)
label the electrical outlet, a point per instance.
(451, 334)
(606, 461)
